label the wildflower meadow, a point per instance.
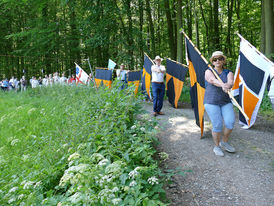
(67, 145)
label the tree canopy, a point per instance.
(53, 34)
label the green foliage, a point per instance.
(54, 34)
(266, 107)
(77, 146)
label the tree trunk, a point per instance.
(179, 35)
(141, 21)
(170, 31)
(269, 29)
(206, 26)
(129, 34)
(228, 40)
(196, 26)
(151, 28)
(189, 19)
(262, 45)
(216, 24)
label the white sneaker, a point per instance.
(218, 151)
(227, 147)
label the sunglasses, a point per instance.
(219, 58)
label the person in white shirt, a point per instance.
(23, 83)
(158, 86)
(122, 76)
(12, 82)
(63, 79)
(34, 83)
(56, 78)
(45, 81)
(50, 80)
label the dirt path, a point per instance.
(244, 178)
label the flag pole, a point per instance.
(178, 63)
(217, 76)
(149, 58)
(91, 73)
(260, 53)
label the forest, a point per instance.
(44, 36)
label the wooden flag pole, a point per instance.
(258, 52)
(92, 74)
(178, 63)
(217, 76)
(149, 58)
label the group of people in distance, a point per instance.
(51, 79)
(217, 102)
(47, 80)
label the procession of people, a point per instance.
(217, 102)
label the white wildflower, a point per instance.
(25, 157)
(116, 201)
(163, 156)
(142, 129)
(103, 162)
(37, 184)
(79, 168)
(97, 157)
(76, 179)
(59, 204)
(64, 146)
(13, 142)
(153, 180)
(22, 204)
(74, 156)
(65, 179)
(44, 201)
(133, 174)
(24, 182)
(115, 189)
(28, 184)
(133, 127)
(134, 135)
(76, 198)
(81, 146)
(20, 197)
(106, 178)
(31, 110)
(132, 184)
(12, 200)
(13, 189)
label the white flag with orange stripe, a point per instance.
(250, 78)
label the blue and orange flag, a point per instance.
(134, 77)
(175, 77)
(197, 67)
(250, 79)
(146, 75)
(103, 76)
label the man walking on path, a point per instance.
(158, 86)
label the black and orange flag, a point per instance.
(197, 67)
(134, 77)
(146, 76)
(175, 77)
(103, 76)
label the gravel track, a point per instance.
(243, 178)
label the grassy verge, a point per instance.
(76, 146)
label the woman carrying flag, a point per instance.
(218, 104)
